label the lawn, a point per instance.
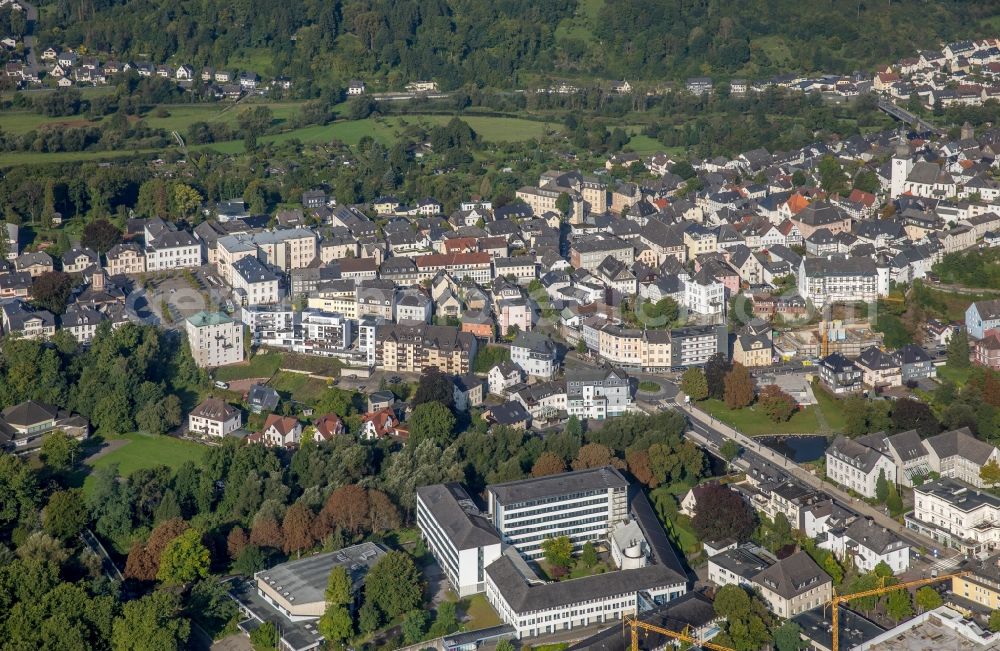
(754, 422)
(649, 387)
(830, 405)
(146, 451)
(383, 130)
(261, 365)
(301, 388)
(387, 130)
(957, 375)
(479, 613)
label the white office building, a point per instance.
(488, 555)
(583, 505)
(458, 535)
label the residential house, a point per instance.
(840, 374)
(36, 263)
(262, 398)
(858, 463)
(535, 354)
(503, 376)
(864, 544)
(214, 417)
(29, 323)
(381, 424)
(279, 431)
(879, 368)
(794, 585)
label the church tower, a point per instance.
(902, 163)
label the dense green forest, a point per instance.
(456, 42)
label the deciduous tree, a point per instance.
(347, 508)
(296, 528)
(558, 551)
(738, 387)
(100, 235)
(595, 455)
(694, 385)
(716, 369)
(393, 584)
(51, 290)
(547, 464)
(928, 598)
(990, 473)
(151, 623)
(722, 513)
(432, 421)
(184, 559)
(66, 514)
(236, 542)
(778, 405)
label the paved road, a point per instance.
(713, 433)
(31, 14)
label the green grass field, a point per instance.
(830, 405)
(261, 365)
(301, 388)
(384, 130)
(581, 24)
(146, 451)
(478, 612)
(754, 422)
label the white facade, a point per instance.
(866, 545)
(460, 540)
(586, 612)
(587, 512)
(216, 420)
(858, 478)
(215, 339)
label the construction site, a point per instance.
(836, 336)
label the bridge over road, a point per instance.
(918, 123)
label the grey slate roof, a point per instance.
(960, 442)
(458, 516)
(792, 576)
(527, 490)
(907, 445)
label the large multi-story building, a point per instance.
(590, 253)
(956, 515)
(842, 279)
(254, 284)
(215, 339)
(458, 534)
(477, 267)
(309, 331)
(695, 345)
(172, 250)
(410, 348)
(589, 505)
(583, 505)
(598, 393)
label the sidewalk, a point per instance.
(800, 473)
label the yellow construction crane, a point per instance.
(635, 624)
(839, 599)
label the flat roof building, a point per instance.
(292, 595)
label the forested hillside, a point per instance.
(323, 43)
